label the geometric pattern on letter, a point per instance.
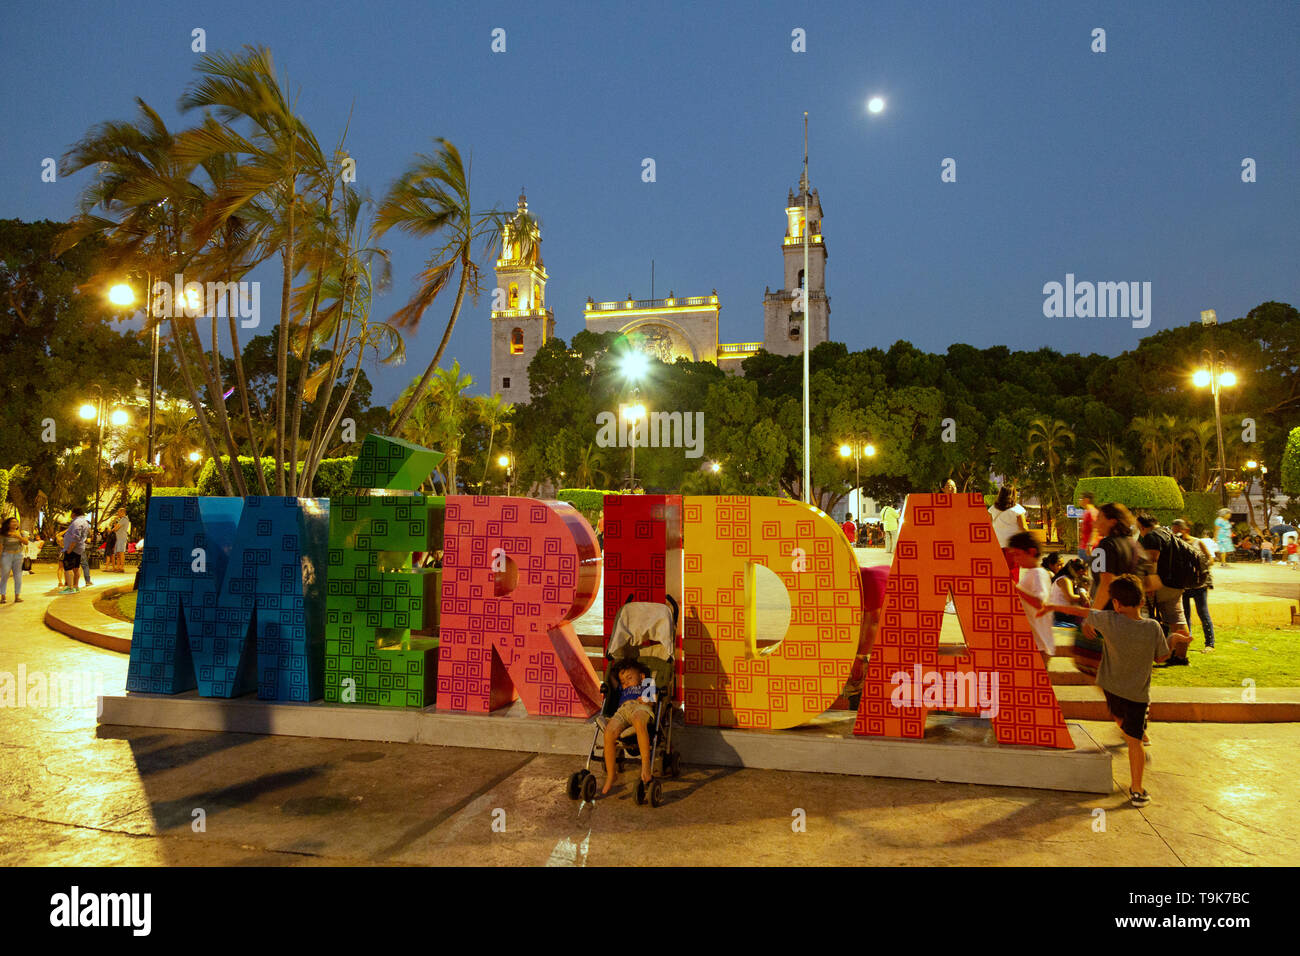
(946, 544)
(498, 640)
(727, 682)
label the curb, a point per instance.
(75, 616)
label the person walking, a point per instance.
(1117, 551)
(1088, 536)
(889, 520)
(1198, 596)
(1008, 521)
(74, 551)
(13, 543)
(1223, 535)
(850, 529)
(1164, 586)
(122, 531)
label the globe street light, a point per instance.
(632, 413)
(858, 452)
(1217, 378)
(122, 296)
(117, 417)
(504, 462)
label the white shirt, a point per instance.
(1038, 582)
(1005, 523)
(1211, 544)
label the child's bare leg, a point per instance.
(1136, 761)
(641, 721)
(612, 730)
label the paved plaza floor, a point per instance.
(72, 793)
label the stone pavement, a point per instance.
(1223, 795)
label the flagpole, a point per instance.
(807, 451)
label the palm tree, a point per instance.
(1050, 438)
(441, 421)
(146, 203)
(1201, 435)
(1106, 458)
(279, 163)
(1151, 432)
(432, 198)
(494, 412)
(589, 473)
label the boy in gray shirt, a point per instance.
(1130, 645)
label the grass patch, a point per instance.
(121, 606)
(1270, 656)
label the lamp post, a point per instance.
(633, 413)
(123, 296)
(119, 418)
(857, 452)
(1217, 377)
(506, 462)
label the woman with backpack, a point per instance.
(1198, 596)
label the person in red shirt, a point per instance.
(850, 529)
(1088, 536)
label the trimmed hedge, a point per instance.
(1200, 508)
(1291, 464)
(135, 504)
(589, 501)
(1156, 493)
(333, 477)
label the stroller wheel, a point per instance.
(574, 789)
(656, 793)
(589, 786)
(675, 764)
(640, 793)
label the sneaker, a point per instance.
(1139, 798)
(1208, 649)
(67, 591)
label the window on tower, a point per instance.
(516, 341)
(505, 382)
(514, 296)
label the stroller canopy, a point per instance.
(642, 629)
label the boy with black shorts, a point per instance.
(1130, 645)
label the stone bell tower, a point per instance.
(521, 322)
(785, 322)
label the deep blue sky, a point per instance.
(1117, 166)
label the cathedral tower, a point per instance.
(784, 323)
(521, 322)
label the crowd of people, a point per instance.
(19, 552)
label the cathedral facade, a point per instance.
(668, 328)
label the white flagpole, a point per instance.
(807, 451)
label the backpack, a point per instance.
(1182, 565)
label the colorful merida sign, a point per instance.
(304, 598)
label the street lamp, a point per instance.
(632, 413)
(122, 296)
(504, 462)
(857, 452)
(117, 417)
(1217, 378)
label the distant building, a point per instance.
(668, 328)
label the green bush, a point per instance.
(1200, 508)
(1291, 464)
(1157, 494)
(331, 477)
(135, 504)
(589, 501)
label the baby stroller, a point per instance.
(643, 632)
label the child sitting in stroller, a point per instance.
(637, 693)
